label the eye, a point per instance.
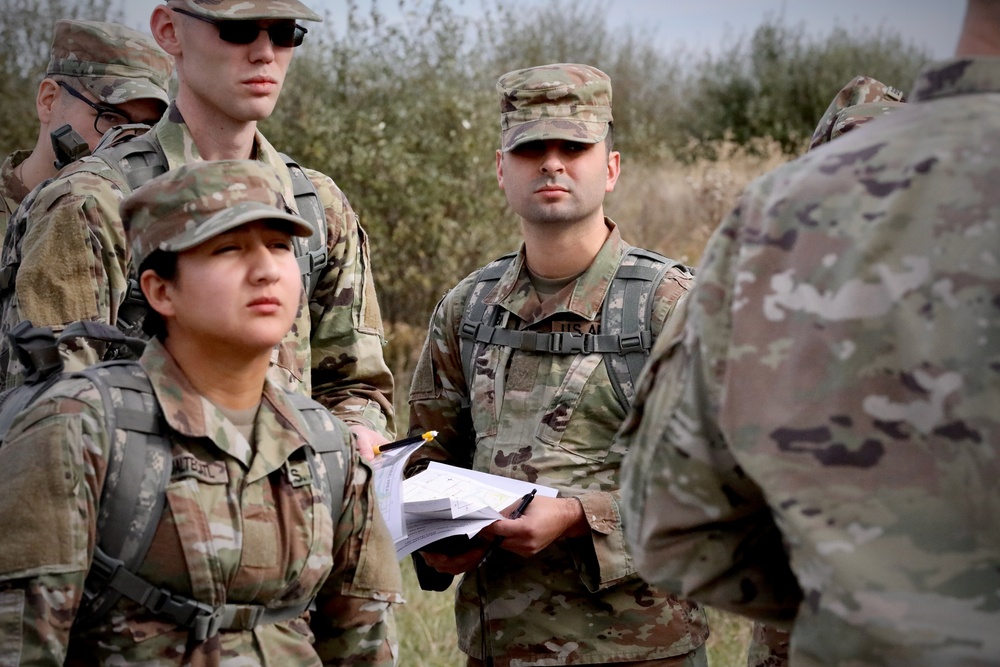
(529, 149)
(576, 147)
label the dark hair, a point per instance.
(609, 139)
(163, 264)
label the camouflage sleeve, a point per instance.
(354, 622)
(606, 563)
(696, 525)
(349, 373)
(438, 390)
(73, 265)
(50, 469)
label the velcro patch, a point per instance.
(187, 466)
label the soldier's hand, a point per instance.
(365, 439)
(545, 521)
(456, 563)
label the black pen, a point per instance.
(516, 514)
(405, 442)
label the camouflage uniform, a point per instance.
(241, 527)
(830, 387)
(114, 63)
(74, 266)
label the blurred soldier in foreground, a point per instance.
(527, 372)
(99, 75)
(831, 390)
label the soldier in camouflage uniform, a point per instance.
(242, 530)
(830, 388)
(74, 263)
(122, 77)
(562, 589)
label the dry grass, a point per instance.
(671, 208)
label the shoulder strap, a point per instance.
(311, 250)
(134, 493)
(476, 319)
(628, 312)
(327, 441)
(137, 158)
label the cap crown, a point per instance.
(560, 101)
(189, 205)
(238, 10)
(115, 63)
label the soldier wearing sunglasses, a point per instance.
(231, 58)
(99, 75)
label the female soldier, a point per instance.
(250, 538)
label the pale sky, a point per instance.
(699, 25)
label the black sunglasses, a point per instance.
(282, 34)
(107, 117)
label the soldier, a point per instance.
(231, 58)
(830, 389)
(99, 75)
(248, 533)
(561, 588)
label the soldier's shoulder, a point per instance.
(89, 177)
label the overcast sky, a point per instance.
(700, 25)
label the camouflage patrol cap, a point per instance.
(247, 10)
(561, 101)
(861, 100)
(115, 63)
(189, 205)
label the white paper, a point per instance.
(388, 479)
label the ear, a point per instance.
(158, 293)
(614, 170)
(500, 168)
(48, 93)
(164, 31)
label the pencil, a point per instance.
(405, 442)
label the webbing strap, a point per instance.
(311, 253)
(203, 620)
(558, 342)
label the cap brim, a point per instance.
(287, 9)
(545, 129)
(123, 90)
(233, 217)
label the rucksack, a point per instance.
(139, 468)
(626, 321)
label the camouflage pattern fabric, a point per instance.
(549, 419)
(861, 100)
(195, 202)
(561, 101)
(74, 265)
(241, 527)
(244, 10)
(830, 386)
(116, 64)
(12, 189)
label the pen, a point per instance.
(518, 511)
(405, 442)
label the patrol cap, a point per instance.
(560, 101)
(861, 100)
(189, 205)
(115, 63)
(247, 10)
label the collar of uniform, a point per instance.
(515, 293)
(278, 427)
(958, 76)
(13, 187)
(178, 146)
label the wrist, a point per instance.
(575, 518)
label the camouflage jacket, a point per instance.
(237, 530)
(830, 387)
(12, 188)
(74, 266)
(549, 419)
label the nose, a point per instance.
(263, 265)
(261, 49)
(552, 162)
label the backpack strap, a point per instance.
(311, 250)
(628, 310)
(134, 496)
(626, 322)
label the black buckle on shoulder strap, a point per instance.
(631, 343)
(567, 342)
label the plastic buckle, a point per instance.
(632, 343)
(468, 330)
(206, 623)
(566, 342)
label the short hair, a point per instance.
(163, 264)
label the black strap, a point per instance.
(311, 251)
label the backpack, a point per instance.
(626, 327)
(139, 468)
